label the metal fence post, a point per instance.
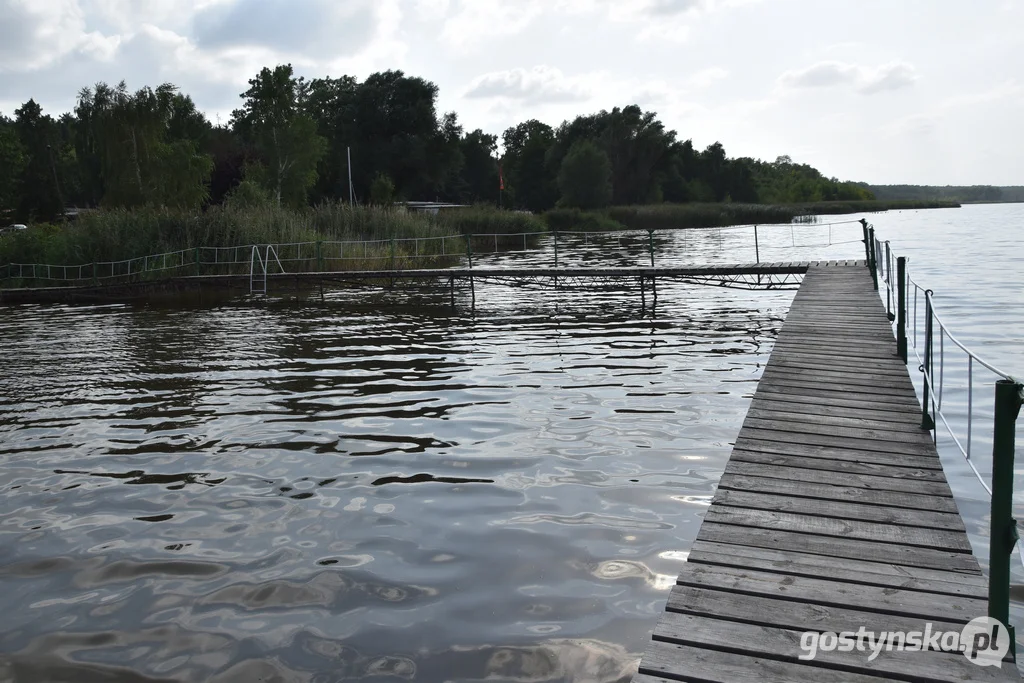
(901, 307)
(926, 419)
(1004, 527)
(320, 256)
(757, 246)
(873, 258)
(392, 253)
(556, 247)
(469, 250)
(197, 260)
(650, 244)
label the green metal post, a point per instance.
(469, 250)
(873, 258)
(867, 244)
(888, 281)
(197, 260)
(901, 304)
(650, 245)
(320, 256)
(392, 253)
(926, 419)
(556, 248)
(757, 246)
(1004, 527)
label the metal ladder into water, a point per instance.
(259, 266)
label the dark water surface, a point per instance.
(378, 486)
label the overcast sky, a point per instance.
(886, 91)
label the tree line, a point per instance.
(288, 144)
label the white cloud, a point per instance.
(539, 84)
(707, 77)
(892, 76)
(37, 33)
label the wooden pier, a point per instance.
(741, 275)
(833, 514)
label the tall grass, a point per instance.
(121, 234)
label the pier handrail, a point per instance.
(195, 259)
(893, 274)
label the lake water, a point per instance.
(382, 485)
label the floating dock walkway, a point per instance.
(833, 514)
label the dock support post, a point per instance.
(873, 258)
(757, 246)
(926, 419)
(650, 244)
(901, 307)
(1004, 536)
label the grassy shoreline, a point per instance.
(679, 216)
(116, 235)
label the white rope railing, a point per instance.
(933, 385)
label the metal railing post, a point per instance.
(556, 247)
(392, 253)
(757, 246)
(469, 250)
(867, 247)
(650, 244)
(320, 256)
(1004, 527)
(873, 258)
(926, 419)
(901, 307)
(888, 282)
(197, 260)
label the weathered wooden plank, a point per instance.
(827, 453)
(838, 547)
(858, 433)
(867, 481)
(849, 493)
(937, 539)
(779, 434)
(840, 569)
(841, 466)
(687, 663)
(814, 397)
(785, 645)
(766, 405)
(767, 611)
(864, 384)
(809, 387)
(832, 593)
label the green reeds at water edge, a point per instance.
(104, 236)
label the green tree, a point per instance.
(12, 164)
(530, 181)
(286, 138)
(585, 178)
(382, 191)
(39, 190)
(142, 148)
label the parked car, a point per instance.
(14, 228)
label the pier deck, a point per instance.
(833, 514)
